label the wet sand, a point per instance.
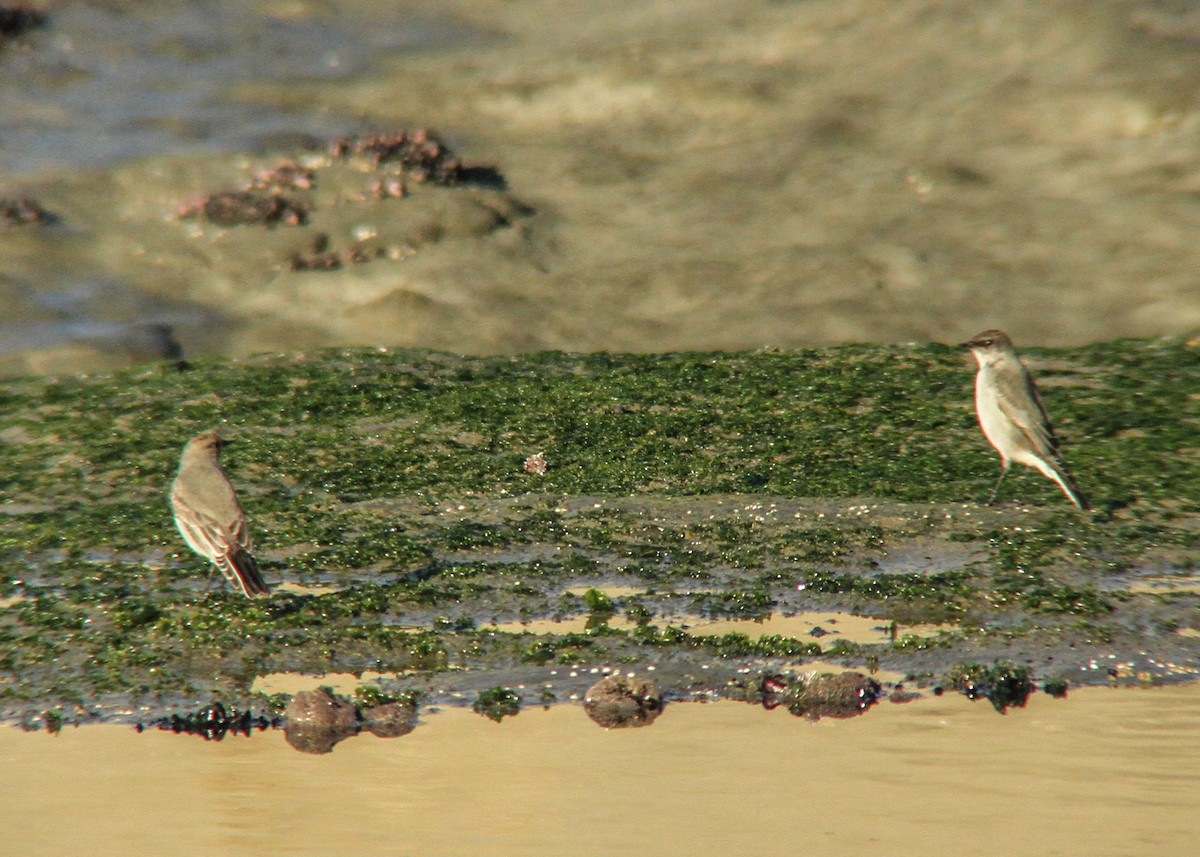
(1106, 773)
(690, 175)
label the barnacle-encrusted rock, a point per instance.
(315, 720)
(617, 702)
(842, 695)
(390, 720)
(240, 208)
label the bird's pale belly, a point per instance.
(1001, 432)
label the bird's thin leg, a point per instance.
(1003, 473)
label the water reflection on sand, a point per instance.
(828, 626)
(1107, 772)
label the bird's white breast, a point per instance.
(1000, 431)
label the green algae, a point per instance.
(732, 485)
(598, 603)
(1003, 684)
(497, 703)
(369, 695)
(1056, 687)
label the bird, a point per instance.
(1012, 415)
(209, 516)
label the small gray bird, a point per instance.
(209, 516)
(1012, 415)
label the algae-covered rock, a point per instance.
(389, 503)
(497, 703)
(1003, 684)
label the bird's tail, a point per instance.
(241, 570)
(1059, 473)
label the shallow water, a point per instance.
(1106, 772)
(106, 83)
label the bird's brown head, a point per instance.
(209, 443)
(989, 340)
(991, 348)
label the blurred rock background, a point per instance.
(682, 174)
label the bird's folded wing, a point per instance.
(207, 536)
(1033, 421)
